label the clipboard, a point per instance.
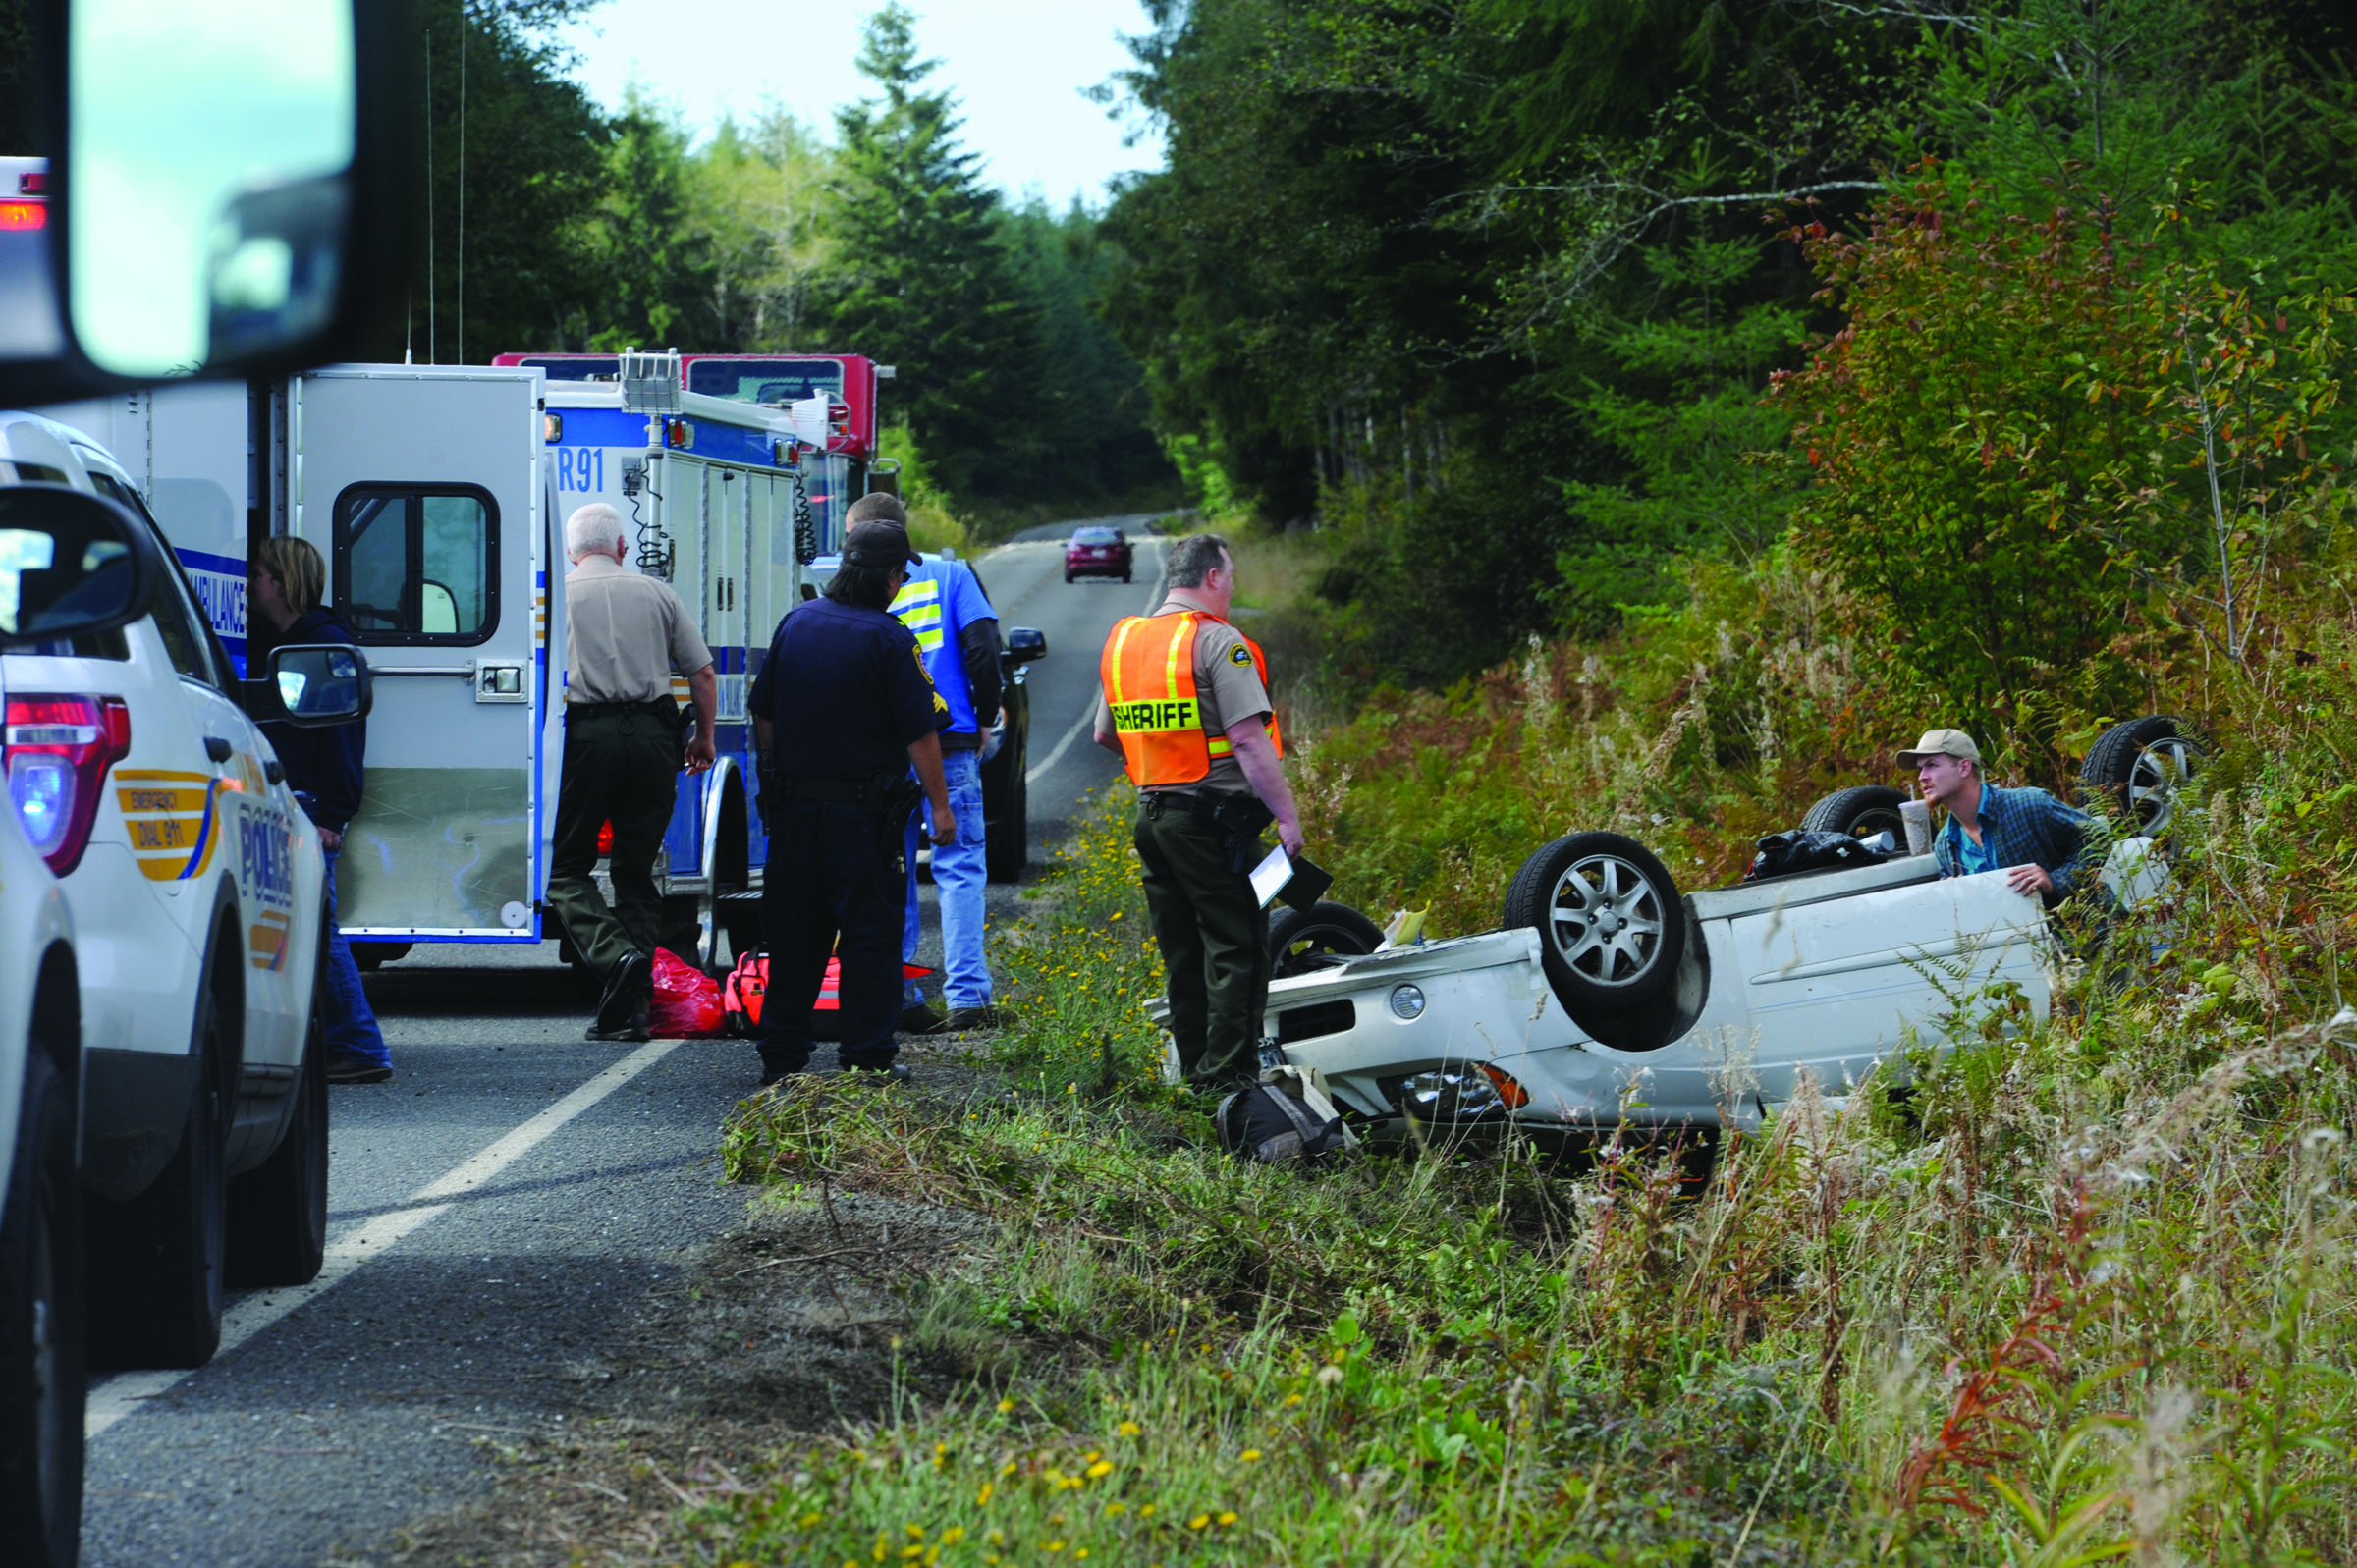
(1293, 879)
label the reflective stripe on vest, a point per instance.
(918, 606)
(1149, 668)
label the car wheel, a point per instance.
(1068, 579)
(278, 1211)
(1860, 812)
(1610, 928)
(1304, 941)
(156, 1260)
(2139, 769)
(42, 1374)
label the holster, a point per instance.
(1240, 818)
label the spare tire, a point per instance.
(1610, 927)
(1861, 812)
(2137, 768)
(1302, 941)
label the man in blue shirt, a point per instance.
(942, 604)
(2041, 844)
(847, 692)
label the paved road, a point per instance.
(497, 1210)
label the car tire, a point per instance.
(278, 1211)
(157, 1260)
(1860, 812)
(1068, 579)
(1302, 940)
(1008, 848)
(43, 1373)
(2136, 769)
(1612, 929)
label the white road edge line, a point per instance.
(373, 1237)
(1088, 711)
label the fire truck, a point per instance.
(438, 497)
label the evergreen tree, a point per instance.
(655, 247)
(923, 278)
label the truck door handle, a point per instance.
(217, 748)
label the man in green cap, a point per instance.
(2039, 844)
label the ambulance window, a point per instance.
(417, 564)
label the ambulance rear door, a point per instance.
(422, 488)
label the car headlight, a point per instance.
(1408, 1003)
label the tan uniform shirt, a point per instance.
(625, 633)
(1227, 690)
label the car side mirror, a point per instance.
(1026, 643)
(70, 564)
(312, 684)
(231, 193)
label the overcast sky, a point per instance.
(1018, 70)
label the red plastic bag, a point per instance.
(687, 999)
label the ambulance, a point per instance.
(437, 496)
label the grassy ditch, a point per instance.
(2084, 1292)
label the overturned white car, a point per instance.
(1611, 998)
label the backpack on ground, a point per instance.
(1287, 1116)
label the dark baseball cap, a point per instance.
(879, 544)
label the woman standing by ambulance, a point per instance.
(324, 768)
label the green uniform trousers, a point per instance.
(624, 769)
(1214, 945)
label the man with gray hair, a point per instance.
(624, 636)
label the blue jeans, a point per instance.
(959, 872)
(350, 1022)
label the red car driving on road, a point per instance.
(1097, 553)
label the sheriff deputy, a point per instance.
(1184, 700)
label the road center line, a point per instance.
(120, 1395)
(1088, 710)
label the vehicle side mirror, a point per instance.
(313, 684)
(1026, 643)
(230, 192)
(70, 564)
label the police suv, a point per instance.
(140, 777)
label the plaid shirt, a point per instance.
(2020, 828)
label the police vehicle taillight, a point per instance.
(19, 216)
(57, 751)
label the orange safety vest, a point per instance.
(1149, 673)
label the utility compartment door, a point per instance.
(421, 487)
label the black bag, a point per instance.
(1781, 855)
(1271, 1121)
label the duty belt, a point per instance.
(847, 791)
(1240, 814)
(661, 706)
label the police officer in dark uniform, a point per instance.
(842, 708)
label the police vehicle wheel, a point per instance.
(1861, 812)
(278, 1211)
(44, 1376)
(2138, 769)
(1610, 927)
(1304, 941)
(156, 1260)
